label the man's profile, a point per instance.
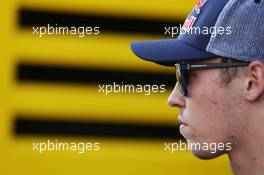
(220, 79)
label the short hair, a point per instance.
(228, 74)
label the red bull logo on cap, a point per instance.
(199, 5)
(189, 22)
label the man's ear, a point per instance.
(255, 81)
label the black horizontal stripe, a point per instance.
(107, 23)
(63, 74)
(44, 127)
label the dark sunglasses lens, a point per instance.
(181, 79)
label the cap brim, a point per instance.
(168, 52)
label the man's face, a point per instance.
(208, 113)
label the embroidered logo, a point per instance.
(189, 22)
(199, 5)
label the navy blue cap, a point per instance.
(188, 45)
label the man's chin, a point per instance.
(206, 154)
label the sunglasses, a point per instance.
(182, 72)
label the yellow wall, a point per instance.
(111, 51)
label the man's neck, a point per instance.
(247, 157)
(247, 164)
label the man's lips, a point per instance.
(183, 126)
(181, 121)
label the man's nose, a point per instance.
(176, 99)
